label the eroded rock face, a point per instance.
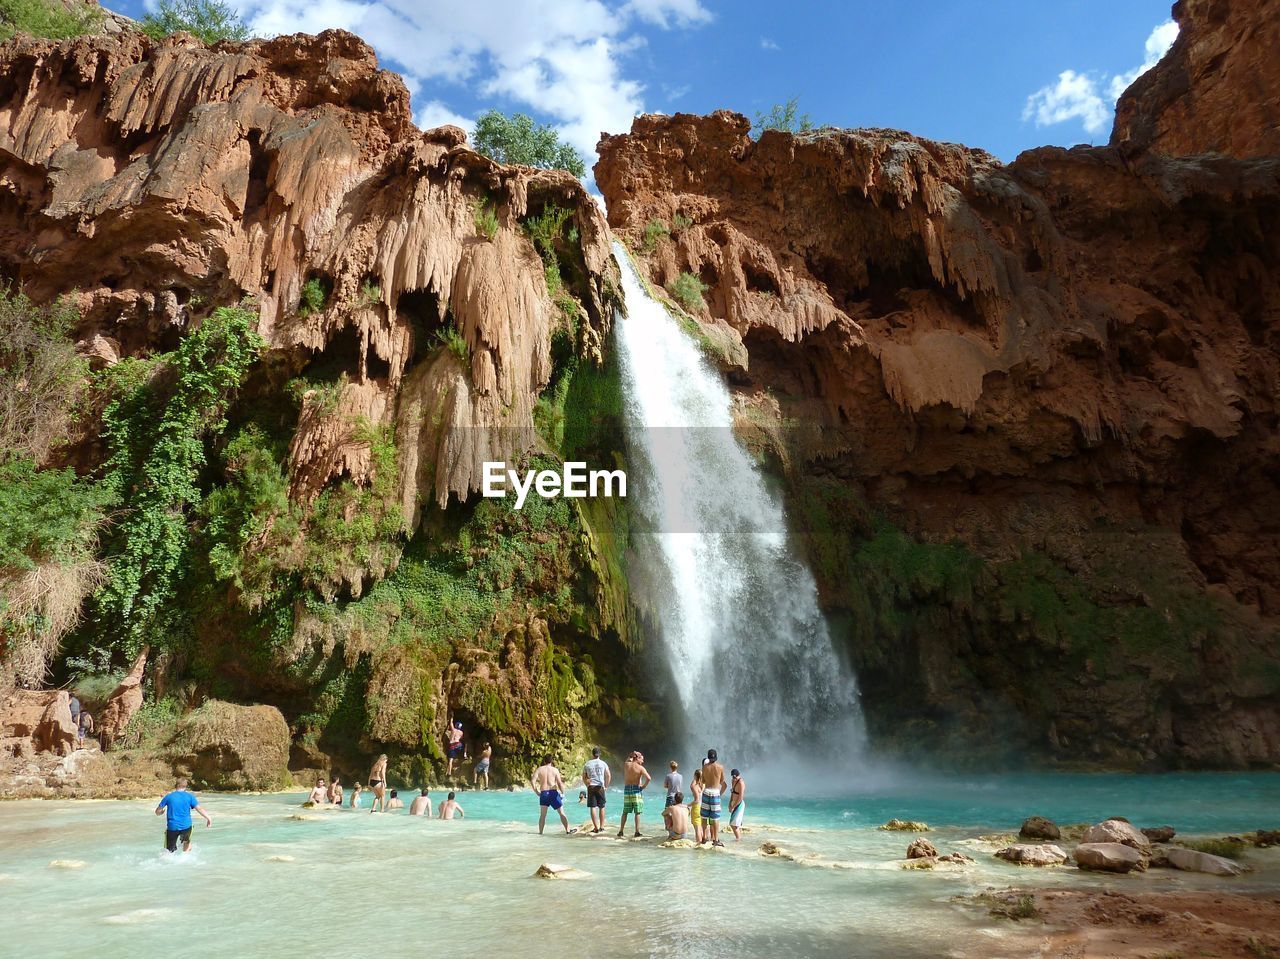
(161, 179)
(1004, 382)
(225, 746)
(125, 700)
(1216, 91)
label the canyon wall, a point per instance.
(421, 309)
(1026, 414)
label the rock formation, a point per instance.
(225, 746)
(990, 387)
(124, 701)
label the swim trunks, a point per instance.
(632, 799)
(455, 749)
(173, 836)
(711, 804)
(695, 813)
(595, 797)
(550, 797)
(735, 817)
(482, 766)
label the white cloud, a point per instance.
(433, 113)
(562, 59)
(767, 44)
(1080, 96)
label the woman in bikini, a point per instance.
(378, 782)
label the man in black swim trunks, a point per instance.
(596, 777)
(177, 807)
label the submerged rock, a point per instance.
(1264, 838)
(922, 849)
(1027, 854)
(552, 870)
(1159, 833)
(1109, 857)
(1037, 827)
(905, 825)
(1192, 860)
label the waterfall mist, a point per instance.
(749, 651)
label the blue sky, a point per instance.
(998, 74)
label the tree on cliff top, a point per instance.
(517, 139)
(46, 18)
(207, 20)
(783, 116)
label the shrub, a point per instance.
(42, 378)
(207, 20)
(655, 231)
(1228, 847)
(680, 223)
(46, 515)
(783, 116)
(688, 289)
(486, 218)
(370, 294)
(455, 343)
(151, 725)
(517, 139)
(46, 18)
(313, 297)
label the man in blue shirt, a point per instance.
(178, 806)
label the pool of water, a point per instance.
(88, 877)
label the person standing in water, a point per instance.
(394, 801)
(482, 767)
(712, 784)
(674, 783)
(378, 783)
(319, 796)
(177, 806)
(355, 796)
(453, 746)
(450, 807)
(634, 778)
(596, 777)
(737, 804)
(421, 805)
(695, 805)
(335, 791)
(549, 785)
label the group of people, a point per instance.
(82, 720)
(699, 820)
(331, 794)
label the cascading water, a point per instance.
(753, 662)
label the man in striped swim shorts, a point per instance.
(635, 778)
(713, 783)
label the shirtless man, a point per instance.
(596, 777)
(394, 801)
(453, 745)
(319, 796)
(737, 804)
(712, 784)
(421, 805)
(549, 785)
(676, 818)
(482, 767)
(378, 783)
(634, 778)
(450, 807)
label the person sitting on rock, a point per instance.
(450, 807)
(676, 818)
(319, 796)
(421, 805)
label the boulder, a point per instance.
(122, 703)
(1109, 857)
(921, 849)
(553, 870)
(1118, 831)
(905, 825)
(225, 746)
(1027, 854)
(1264, 838)
(959, 858)
(1159, 833)
(1190, 860)
(1037, 827)
(56, 732)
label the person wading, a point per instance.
(712, 785)
(596, 777)
(737, 803)
(549, 785)
(378, 783)
(177, 807)
(634, 778)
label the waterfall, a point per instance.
(753, 663)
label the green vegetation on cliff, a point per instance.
(208, 20)
(43, 18)
(518, 139)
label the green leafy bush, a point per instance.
(517, 139)
(486, 218)
(655, 231)
(46, 515)
(152, 725)
(46, 18)
(1227, 847)
(370, 294)
(313, 297)
(688, 289)
(455, 343)
(207, 20)
(783, 116)
(680, 223)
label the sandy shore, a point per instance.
(1085, 924)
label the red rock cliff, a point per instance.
(1042, 493)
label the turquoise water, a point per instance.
(264, 883)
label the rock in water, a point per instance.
(1159, 833)
(1265, 838)
(1027, 854)
(1118, 831)
(905, 825)
(1037, 827)
(552, 870)
(1109, 857)
(226, 746)
(922, 849)
(1191, 860)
